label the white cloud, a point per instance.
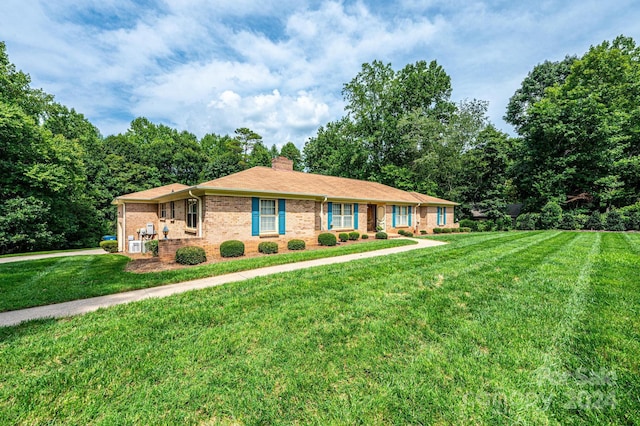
(278, 66)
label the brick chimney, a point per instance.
(282, 163)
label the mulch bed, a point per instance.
(142, 263)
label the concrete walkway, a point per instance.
(77, 307)
(90, 252)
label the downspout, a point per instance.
(124, 227)
(322, 212)
(417, 216)
(199, 213)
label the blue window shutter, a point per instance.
(444, 222)
(393, 216)
(281, 216)
(438, 217)
(255, 216)
(329, 215)
(355, 216)
(409, 208)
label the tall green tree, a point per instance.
(533, 87)
(371, 141)
(259, 156)
(335, 151)
(581, 139)
(292, 152)
(224, 156)
(247, 139)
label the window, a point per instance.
(163, 211)
(172, 209)
(402, 217)
(268, 217)
(342, 216)
(442, 216)
(192, 213)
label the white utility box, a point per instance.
(135, 246)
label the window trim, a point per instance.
(275, 216)
(163, 211)
(442, 216)
(400, 216)
(338, 209)
(193, 214)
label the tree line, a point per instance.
(577, 145)
(577, 122)
(59, 175)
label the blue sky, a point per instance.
(278, 66)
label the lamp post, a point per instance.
(165, 231)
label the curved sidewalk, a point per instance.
(77, 307)
(89, 252)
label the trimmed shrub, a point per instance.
(504, 223)
(268, 247)
(486, 225)
(423, 232)
(550, 215)
(152, 246)
(408, 234)
(343, 236)
(455, 230)
(381, 235)
(469, 223)
(614, 221)
(232, 248)
(402, 232)
(327, 239)
(631, 217)
(447, 230)
(465, 229)
(437, 230)
(354, 235)
(109, 246)
(190, 255)
(296, 245)
(365, 237)
(528, 221)
(632, 221)
(594, 222)
(572, 221)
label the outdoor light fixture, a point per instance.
(165, 231)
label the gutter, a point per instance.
(124, 228)
(199, 213)
(322, 212)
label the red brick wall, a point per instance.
(138, 215)
(429, 218)
(229, 218)
(167, 248)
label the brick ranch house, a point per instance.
(272, 204)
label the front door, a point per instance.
(371, 218)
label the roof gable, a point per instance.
(428, 199)
(154, 193)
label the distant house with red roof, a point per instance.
(273, 204)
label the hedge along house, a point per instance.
(273, 204)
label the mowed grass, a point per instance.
(512, 328)
(54, 280)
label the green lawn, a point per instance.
(42, 282)
(509, 328)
